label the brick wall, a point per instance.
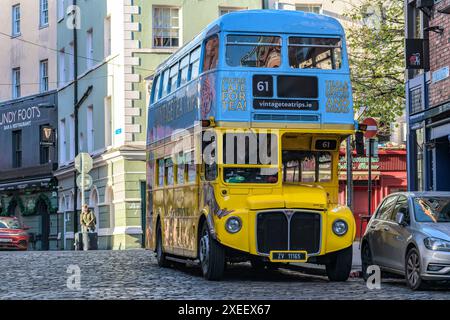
(440, 54)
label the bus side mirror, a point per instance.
(359, 143)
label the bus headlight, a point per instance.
(233, 225)
(340, 227)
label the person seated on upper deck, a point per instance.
(270, 56)
(211, 54)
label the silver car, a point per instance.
(409, 234)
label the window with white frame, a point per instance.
(107, 36)
(62, 141)
(43, 13)
(43, 75)
(166, 27)
(90, 128)
(71, 137)
(108, 122)
(16, 20)
(62, 67)
(16, 83)
(60, 9)
(89, 49)
(225, 10)
(316, 8)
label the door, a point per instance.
(378, 230)
(143, 213)
(42, 210)
(396, 236)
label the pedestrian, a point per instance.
(88, 223)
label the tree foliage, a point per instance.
(376, 53)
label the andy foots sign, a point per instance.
(19, 118)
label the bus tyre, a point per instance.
(212, 256)
(160, 255)
(340, 265)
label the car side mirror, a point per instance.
(400, 218)
(26, 228)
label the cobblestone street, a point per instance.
(135, 275)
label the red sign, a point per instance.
(372, 128)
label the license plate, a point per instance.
(5, 240)
(288, 256)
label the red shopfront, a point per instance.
(388, 176)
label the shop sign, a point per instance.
(360, 163)
(20, 118)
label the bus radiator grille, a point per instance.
(280, 230)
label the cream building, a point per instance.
(28, 42)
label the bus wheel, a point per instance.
(212, 256)
(340, 265)
(160, 255)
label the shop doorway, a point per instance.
(43, 212)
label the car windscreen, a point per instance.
(3, 225)
(432, 209)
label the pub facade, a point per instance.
(28, 158)
(428, 94)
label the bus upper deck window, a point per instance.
(253, 51)
(165, 87)
(173, 78)
(184, 70)
(211, 57)
(317, 53)
(155, 91)
(194, 63)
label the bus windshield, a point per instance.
(242, 150)
(306, 166)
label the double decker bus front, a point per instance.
(283, 110)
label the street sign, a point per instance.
(372, 128)
(374, 147)
(84, 182)
(83, 163)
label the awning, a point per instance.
(361, 175)
(25, 184)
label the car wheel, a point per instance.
(340, 265)
(160, 255)
(212, 255)
(412, 270)
(366, 260)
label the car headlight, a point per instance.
(436, 244)
(340, 227)
(233, 225)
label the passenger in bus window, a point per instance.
(211, 54)
(270, 56)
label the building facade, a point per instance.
(388, 176)
(119, 45)
(28, 118)
(428, 94)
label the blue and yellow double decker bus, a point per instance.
(244, 128)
